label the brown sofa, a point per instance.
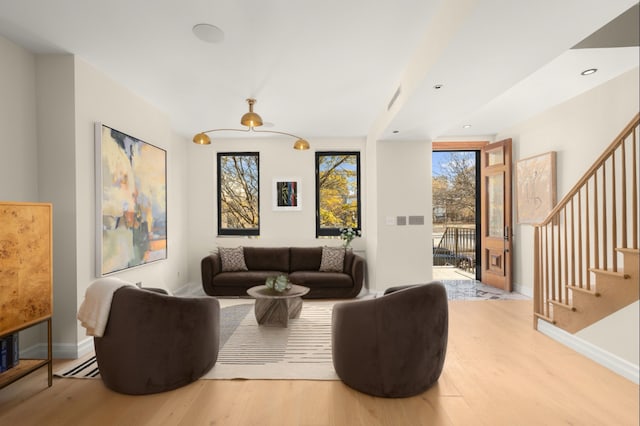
(302, 264)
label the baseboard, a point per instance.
(60, 350)
(525, 291)
(85, 346)
(189, 290)
(599, 355)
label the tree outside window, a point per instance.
(454, 187)
(337, 192)
(238, 193)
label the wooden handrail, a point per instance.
(594, 168)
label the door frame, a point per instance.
(476, 146)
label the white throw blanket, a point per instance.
(94, 311)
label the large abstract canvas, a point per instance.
(131, 210)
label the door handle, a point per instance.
(506, 239)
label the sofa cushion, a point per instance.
(267, 258)
(305, 258)
(243, 279)
(315, 279)
(232, 259)
(332, 259)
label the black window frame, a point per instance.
(236, 231)
(332, 232)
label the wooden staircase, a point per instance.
(612, 292)
(586, 257)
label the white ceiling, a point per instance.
(329, 68)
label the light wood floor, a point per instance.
(499, 371)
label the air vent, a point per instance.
(401, 220)
(394, 98)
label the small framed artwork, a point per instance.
(286, 194)
(535, 187)
(131, 201)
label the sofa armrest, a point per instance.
(357, 273)
(210, 266)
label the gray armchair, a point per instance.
(155, 343)
(394, 345)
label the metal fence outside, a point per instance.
(457, 247)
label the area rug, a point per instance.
(301, 351)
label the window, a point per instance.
(238, 193)
(337, 192)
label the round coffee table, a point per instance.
(275, 309)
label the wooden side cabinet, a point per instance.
(26, 275)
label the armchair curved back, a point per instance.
(394, 345)
(155, 342)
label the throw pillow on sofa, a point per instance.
(232, 259)
(332, 259)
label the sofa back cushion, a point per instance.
(267, 258)
(332, 259)
(305, 258)
(232, 259)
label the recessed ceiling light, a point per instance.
(589, 71)
(208, 33)
(466, 126)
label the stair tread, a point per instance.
(629, 250)
(592, 291)
(544, 317)
(562, 305)
(610, 273)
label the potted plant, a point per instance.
(279, 283)
(348, 234)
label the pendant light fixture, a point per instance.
(250, 120)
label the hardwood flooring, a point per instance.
(499, 371)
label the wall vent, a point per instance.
(401, 220)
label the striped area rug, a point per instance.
(83, 369)
(301, 351)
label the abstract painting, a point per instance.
(535, 187)
(286, 194)
(131, 201)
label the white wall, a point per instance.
(57, 185)
(277, 228)
(71, 97)
(623, 344)
(578, 130)
(100, 99)
(404, 253)
(18, 139)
